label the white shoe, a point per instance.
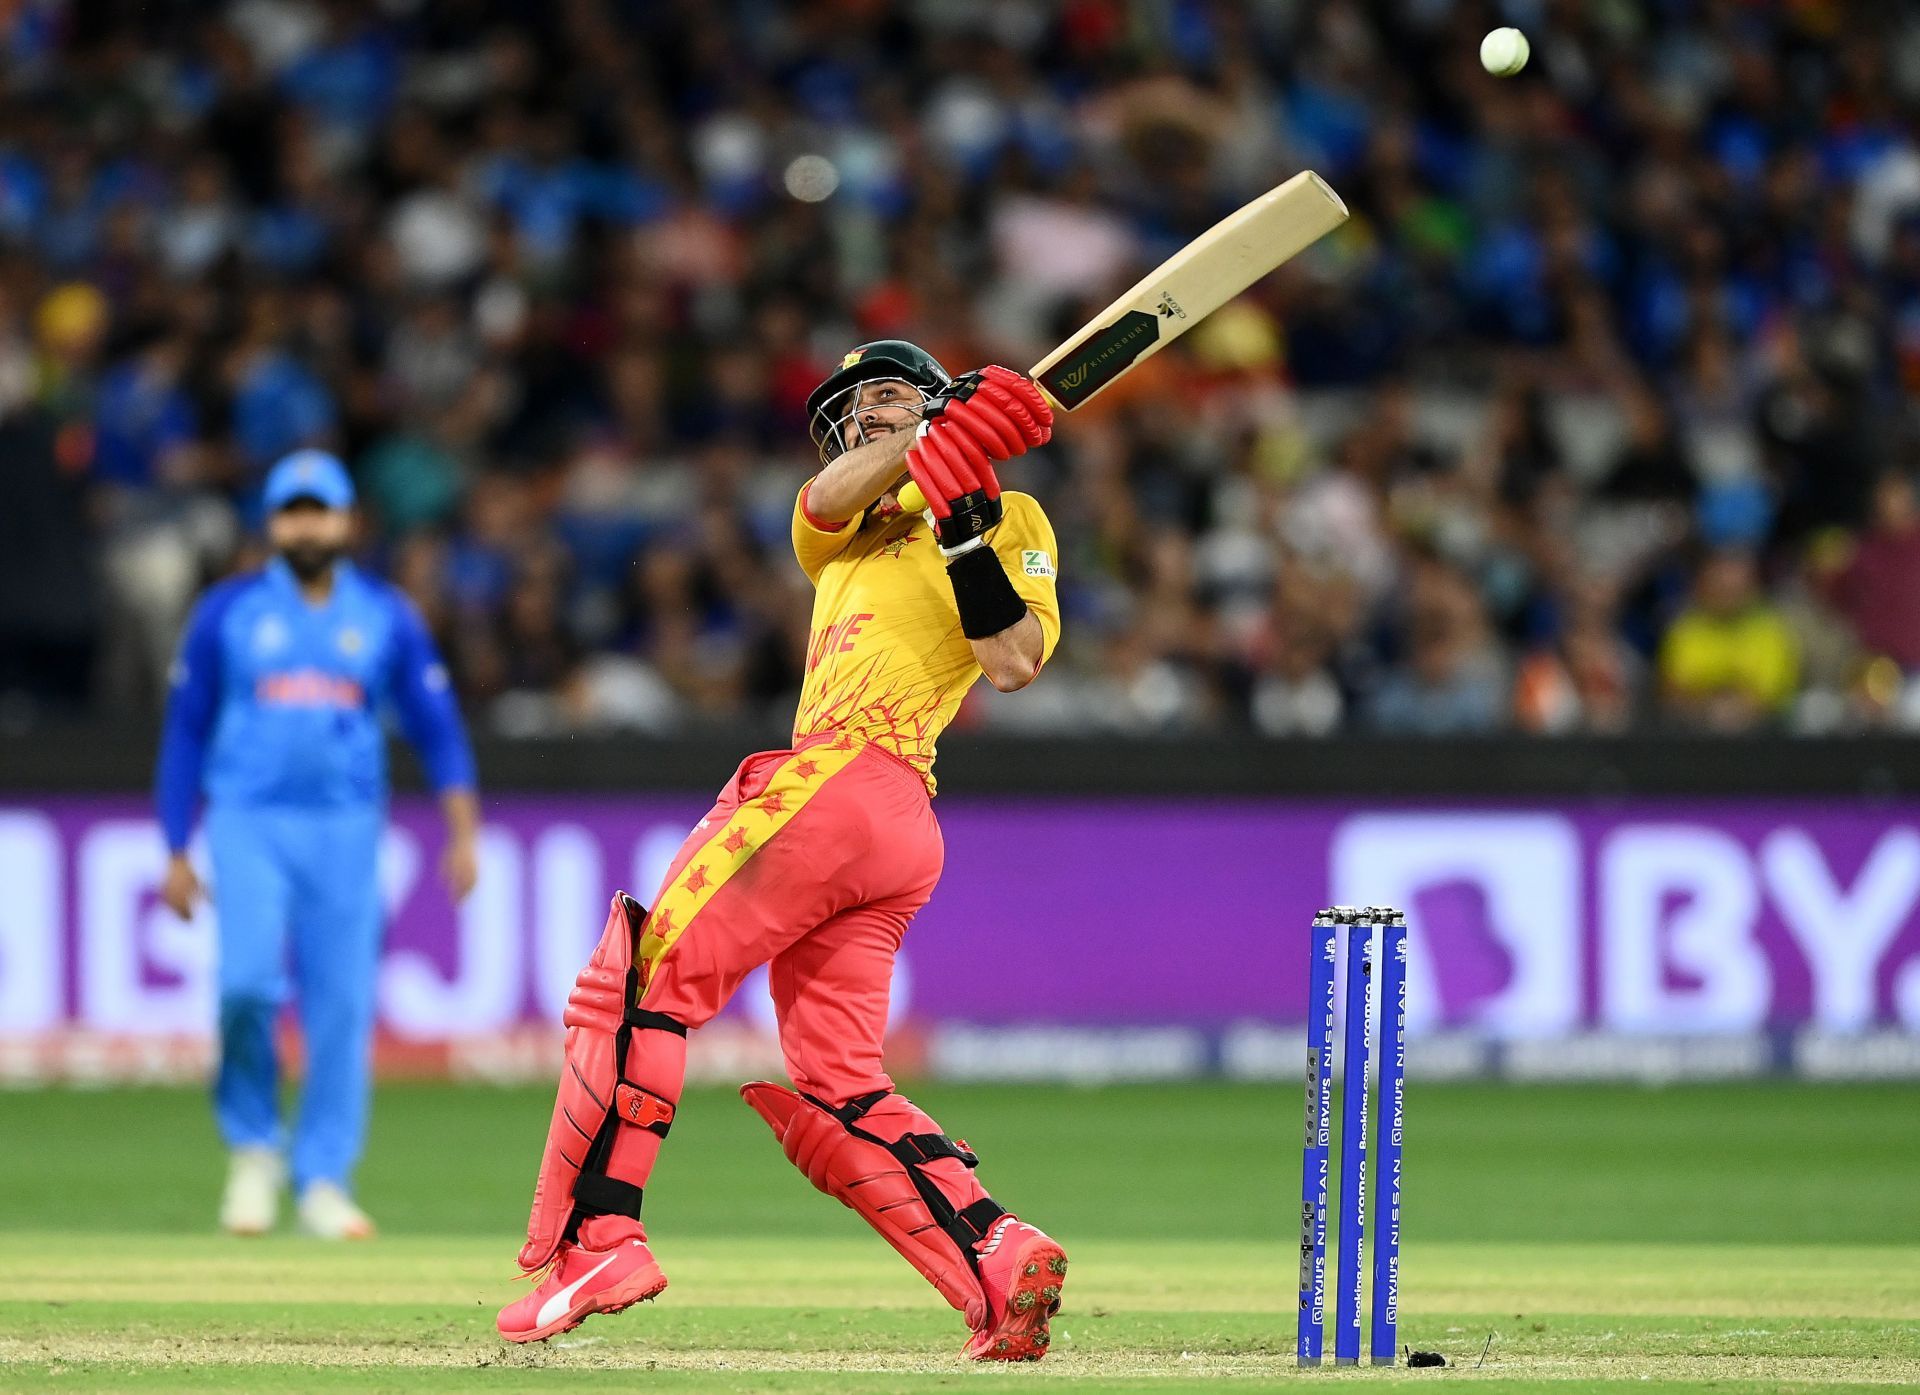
(251, 1202)
(326, 1211)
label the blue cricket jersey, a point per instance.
(276, 701)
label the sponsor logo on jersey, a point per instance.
(308, 687)
(1034, 562)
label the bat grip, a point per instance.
(1052, 401)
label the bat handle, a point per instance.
(1052, 401)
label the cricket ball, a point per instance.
(1504, 52)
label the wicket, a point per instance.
(1351, 1328)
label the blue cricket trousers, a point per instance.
(298, 904)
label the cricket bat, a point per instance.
(1189, 286)
(1182, 291)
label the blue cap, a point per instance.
(308, 474)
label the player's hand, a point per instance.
(180, 888)
(459, 867)
(961, 490)
(992, 412)
(984, 416)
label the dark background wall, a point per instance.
(1872, 767)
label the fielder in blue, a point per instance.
(275, 715)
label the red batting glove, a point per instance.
(962, 493)
(993, 413)
(984, 416)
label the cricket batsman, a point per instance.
(275, 715)
(815, 859)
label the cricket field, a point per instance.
(1733, 1238)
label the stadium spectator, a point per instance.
(1728, 662)
(1452, 682)
(1879, 590)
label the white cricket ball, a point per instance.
(1504, 52)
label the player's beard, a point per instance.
(310, 561)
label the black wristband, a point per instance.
(986, 598)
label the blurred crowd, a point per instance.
(1595, 416)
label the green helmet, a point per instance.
(869, 363)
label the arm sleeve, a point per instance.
(193, 702)
(423, 698)
(1025, 544)
(816, 543)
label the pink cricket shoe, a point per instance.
(583, 1282)
(1022, 1270)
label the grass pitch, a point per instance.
(1738, 1238)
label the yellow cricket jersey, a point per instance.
(1752, 653)
(886, 659)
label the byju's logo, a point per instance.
(1493, 904)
